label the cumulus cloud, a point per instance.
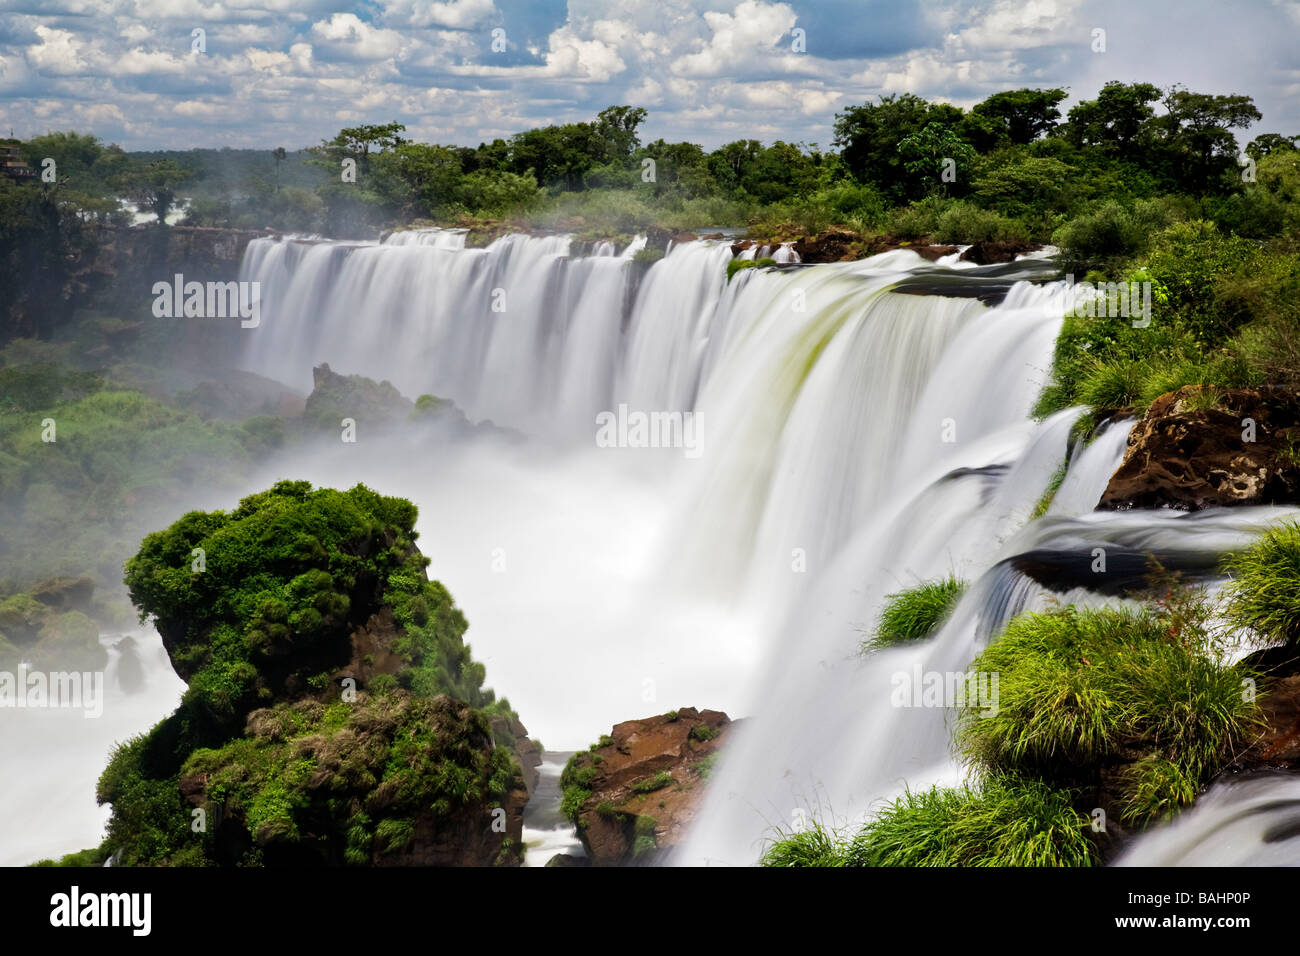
(57, 53)
(347, 36)
(294, 71)
(751, 31)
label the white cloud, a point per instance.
(751, 31)
(345, 34)
(58, 52)
(140, 62)
(453, 14)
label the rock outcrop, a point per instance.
(333, 714)
(51, 627)
(633, 794)
(1202, 447)
(378, 407)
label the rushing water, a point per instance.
(837, 432)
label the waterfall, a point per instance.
(864, 427)
(1250, 821)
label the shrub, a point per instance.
(813, 846)
(650, 784)
(1005, 822)
(1079, 689)
(1264, 586)
(702, 733)
(915, 614)
(964, 222)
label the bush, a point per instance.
(1264, 586)
(650, 784)
(1005, 822)
(963, 222)
(1080, 688)
(813, 846)
(1113, 233)
(915, 614)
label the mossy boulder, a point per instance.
(334, 714)
(390, 779)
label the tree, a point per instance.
(1195, 136)
(279, 155)
(1114, 120)
(1022, 115)
(870, 135)
(1267, 143)
(616, 126)
(927, 151)
(357, 143)
(153, 185)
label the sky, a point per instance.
(267, 73)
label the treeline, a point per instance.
(1014, 155)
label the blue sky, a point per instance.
(292, 72)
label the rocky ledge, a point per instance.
(633, 794)
(1201, 447)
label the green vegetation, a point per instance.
(1053, 486)
(916, 613)
(735, 265)
(266, 618)
(1003, 822)
(704, 768)
(284, 579)
(1264, 589)
(650, 784)
(1081, 691)
(1132, 707)
(703, 733)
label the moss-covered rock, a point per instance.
(334, 714)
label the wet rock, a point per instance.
(991, 251)
(1202, 447)
(643, 784)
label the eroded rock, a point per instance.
(635, 792)
(1202, 447)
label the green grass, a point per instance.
(1005, 821)
(650, 784)
(915, 614)
(1264, 589)
(1049, 493)
(815, 845)
(1080, 689)
(703, 732)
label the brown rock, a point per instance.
(645, 781)
(1278, 743)
(1192, 450)
(985, 253)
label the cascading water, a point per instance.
(854, 441)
